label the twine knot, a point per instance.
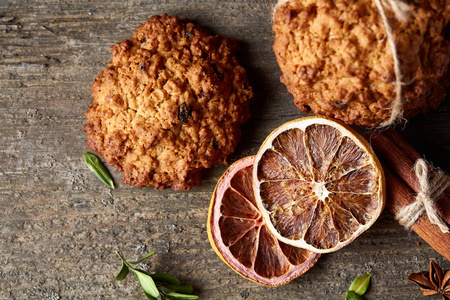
(431, 188)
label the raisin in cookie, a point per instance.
(336, 58)
(169, 104)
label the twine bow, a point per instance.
(430, 191)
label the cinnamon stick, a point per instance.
(398, 159)
(398, 195)
(443, 204)
(390, 140)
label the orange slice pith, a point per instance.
(318, 184)
(239, 236)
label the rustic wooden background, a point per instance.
(60, 226)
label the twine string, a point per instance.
(400, 9)
(430, 191)
(401, 13)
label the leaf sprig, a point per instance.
(358, 287)
(157, 285)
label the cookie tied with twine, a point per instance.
(368, 62)
(432, 187)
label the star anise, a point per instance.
(433, 282)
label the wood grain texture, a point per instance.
(60, 227)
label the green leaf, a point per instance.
(147, 283)
(142, 258)
(165, 279)
(169, 292)
(181, 296)
(123, 272)
(360, 284)
(184, 288)
(351, 295)
(95, 165)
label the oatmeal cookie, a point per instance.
(169, 104)
(336, 59)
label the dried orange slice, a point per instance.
(238, 234)
(318, 184)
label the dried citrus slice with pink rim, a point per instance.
(240, 237)
(318, 184)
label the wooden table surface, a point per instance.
(60, 226)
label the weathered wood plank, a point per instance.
(60, 227)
